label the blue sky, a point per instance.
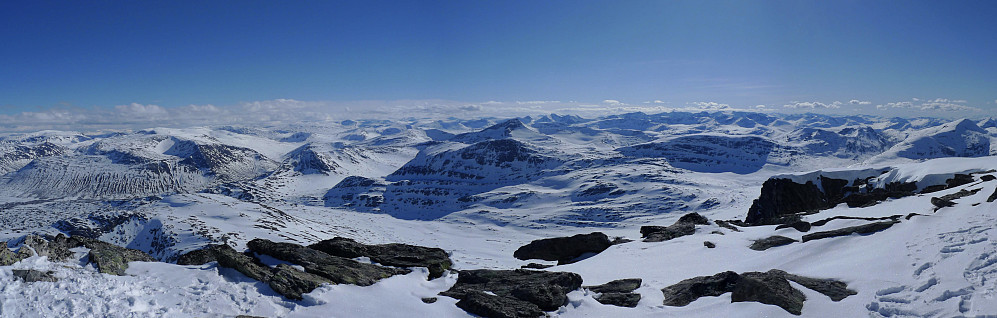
(86, 55)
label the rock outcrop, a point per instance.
(337, 269)
(31, 276)
(686, 225)
(860, 229)
(109, 258)
(770, 242)
(393, 254)
(283, 279)
(512, 293)
(564, 250)
(770, 287)
(618, 292)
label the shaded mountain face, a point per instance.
(708, 153)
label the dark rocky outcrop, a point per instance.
(31, 276)
(987, 178)
(770, 242)
(536, 266)
(283, 279)
(512, 293)
(337, 269)
(7, 257)
(110, 258)
(782, 200)
(564, 250)
(36, 245)
(941, 203)
(618, 292)
(802, 226)
(947, 200)
(728, 225)
(783, 197)
(689, 290)
(686, 225)
(845, 217)
(709, 244)
(770, 287)
(992, 197)
(393, 254)
(860, 229)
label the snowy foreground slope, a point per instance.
(481, 189)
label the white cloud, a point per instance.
(658, 101)
(759, 106)
(710, 105)
(812, 105)
(859, 102)
(140, 109)
(938, 104)
(613, 102)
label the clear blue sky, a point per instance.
(173, 53)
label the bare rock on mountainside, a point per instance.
(686, 225)
(31, 275)
(393, 254)
(860, 229)
(564, 250)
(770, 242)
(284, 279)
(512, 293)
(770, 287)
(337, 269)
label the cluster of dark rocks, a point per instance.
(770, 287)
(106, 257)
(686, 225)
(783, 201)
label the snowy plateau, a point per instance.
(710, 214)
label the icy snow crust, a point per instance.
(480, 189)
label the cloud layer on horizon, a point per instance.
(285, 111)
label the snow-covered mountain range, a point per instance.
(479, 188)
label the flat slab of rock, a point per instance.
(770, 287)
(564, 250)
(393, 254)
(31, 276)
(337, 269)
(686, 225)
(512, 293)
(770, 242)
(860, 229)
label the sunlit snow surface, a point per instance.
(942, 264)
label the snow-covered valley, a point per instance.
(901, 211)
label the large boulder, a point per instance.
(512, 293)
(109, 258)
(393, 254)
(686, 225)
(687, 291)
(770, 287)
(564, 250)
(337, 269)
(618, 292)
